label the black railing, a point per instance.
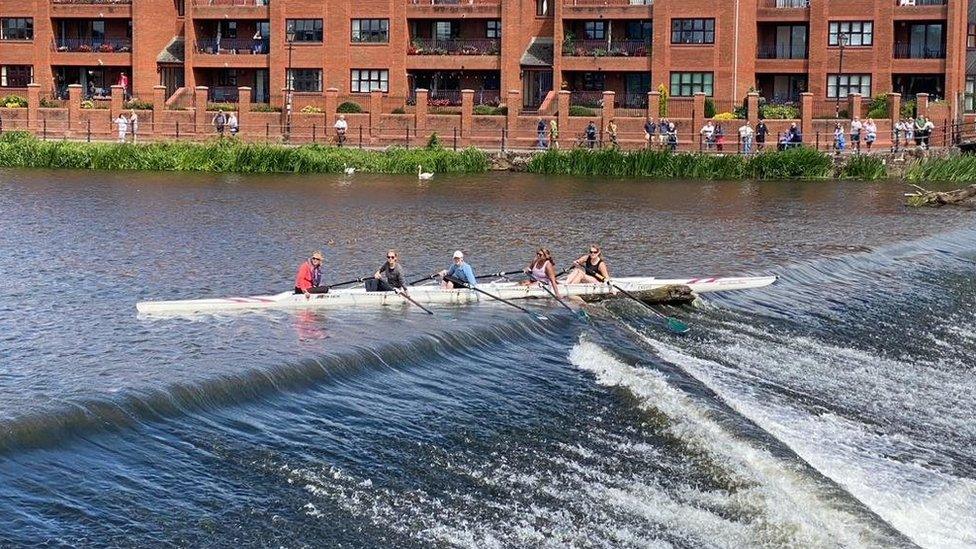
(604, 48)
(780, 51)
(232, 46)
(452, 98)
(908, 50)
(101, 2)
(454, 46)
(784, 4)
(99, 45)
(920, 2)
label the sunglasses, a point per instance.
(391, 257)
(595, 252)
(317, 259)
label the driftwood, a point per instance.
(674, 295)
(965, 196)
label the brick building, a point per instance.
(723, 48)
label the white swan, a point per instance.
(348, 170)
(422, 175)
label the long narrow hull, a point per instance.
(348, 298)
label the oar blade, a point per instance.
(676, 326)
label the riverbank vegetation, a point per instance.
(20, 150)
(953, 169)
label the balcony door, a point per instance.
(536, 84)
(791, 42)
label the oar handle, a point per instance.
(419, 280)
(504, 273)
(346, 283)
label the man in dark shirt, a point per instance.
(388, 277)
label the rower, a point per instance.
(542, 270)
(389, 277)
(460, 275)
(590, 268)
(309, 277)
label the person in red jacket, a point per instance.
(309, 277)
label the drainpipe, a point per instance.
(735, 57)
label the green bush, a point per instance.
(908, 109)
(265, 107)
(23, 151)
(49, 103)
(13, 102)
(954, 169)
(779, 112)
(576, 110)
(662, 100)
(433, 142)
(709, 107)
(863, 167)
(878, 107)
(226, 107)
(138, 105)
(489, 110)
(311, 109)
(87, 104)
(348, 107)
(399, 110)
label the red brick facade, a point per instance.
(780, 47)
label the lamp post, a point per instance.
(841, 41)
(289, 83)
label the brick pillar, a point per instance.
(563, 116)
(922, 104)
(244, 110)
(118, 97)
(200, 109)
(420, 110)
(894, 108)
(159, 105)
(467, 114)
(806, 113)
(75, 93)
(697, 119)
(652, 99)
(854, 105)
(375, 109)
(331, 103)
(513, 103)
(33, 106)
(752, 108)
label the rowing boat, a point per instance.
(358, 297)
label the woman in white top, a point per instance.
(123, 124)
(134, 124)
(871, 131)
(542, 269)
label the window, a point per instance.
(593, 81)
(842, 85)
(925, 41)
(367, 80)
(541, 8)
(228, 29)
(494, 29)
(370, 30)
(17, 29)
(692, 31)
(685, 84)
(306, 30)
(969, 100)
(971, 36)
(858, 33)
(16, 76)
(595, 30)
(638, 30)
(305, 80)
(446, 30)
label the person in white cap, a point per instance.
(460, 275)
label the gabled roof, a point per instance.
(174, 52)
(539, 53)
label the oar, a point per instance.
(403, 294)
(505, 301)
(497, 275)
(580, 313)
(419, 280)
(672, 324)
(348, 282)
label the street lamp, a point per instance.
(841, 41)
(289, 78)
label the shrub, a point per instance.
(576, 110)
(662, 101)
(399, 110)
(908, 109)
(49, 103)
(88, 104)
(15, 136)
(14, 102)
(709, 107)
(311, 109)
(863, 167)
(433, 142)
(264, 107)
(779, 112)
(878, 107)
(138, 105)
(349, 107)
(226, 107)
(724, 116)
(483, 109)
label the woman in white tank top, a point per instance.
(542, 269)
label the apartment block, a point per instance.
(722, 48)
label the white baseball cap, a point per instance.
(458, 254)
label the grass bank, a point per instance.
(20, 150)
(799, 163)
(953, 169)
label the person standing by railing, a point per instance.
(672, 137)
(838, 138)
(553, 134)
(124, 82)
(134, 123)
(856, 127)
(745, 137)
(341, 126)
(123, 124)
(541, 137)
(612, 133)
(761, 132)
(650, 130)
(871, 133)
(232, 123)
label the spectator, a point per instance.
(839, 138)
(124, 82)
(553, 134)
(672, 135)
(590, 134)
(662, 131)
(541, 137)
(91, 90)
(134, 124)
(258, 42)
(897, 131)
(232, 123)
(341, 127)
(650, 131)
(219, 122)
(745, 137)
(761, 132)
(919, 127)
(707, 132)
(719, 137)
(929, 126)
(909, 127)
(612, 133)
(870, 133)
(856, 134)
(123, 123)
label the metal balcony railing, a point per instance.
(780, 51)
(451, 98)
(223, 94)
(588, 98)
(920, 2)
(232, 46)
(609, 3)
(88, 2)
(232, 3)
(93, 45)
(784, 4)
(603, 48)
(455, 46)
(454, 2)
(908, 50)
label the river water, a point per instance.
(833, 409)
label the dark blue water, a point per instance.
(833, 409)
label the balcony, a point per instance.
(921, 2)
(96, 9)
(232, 46)
(784, 4)
(909, 50)
(452, 98)
(604, 48)
(454, 8)
(608, 9)
(455, 46)
(780, 51)
(86, 51)
(783, 10)
(222, 9)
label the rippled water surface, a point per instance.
(833, 409)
